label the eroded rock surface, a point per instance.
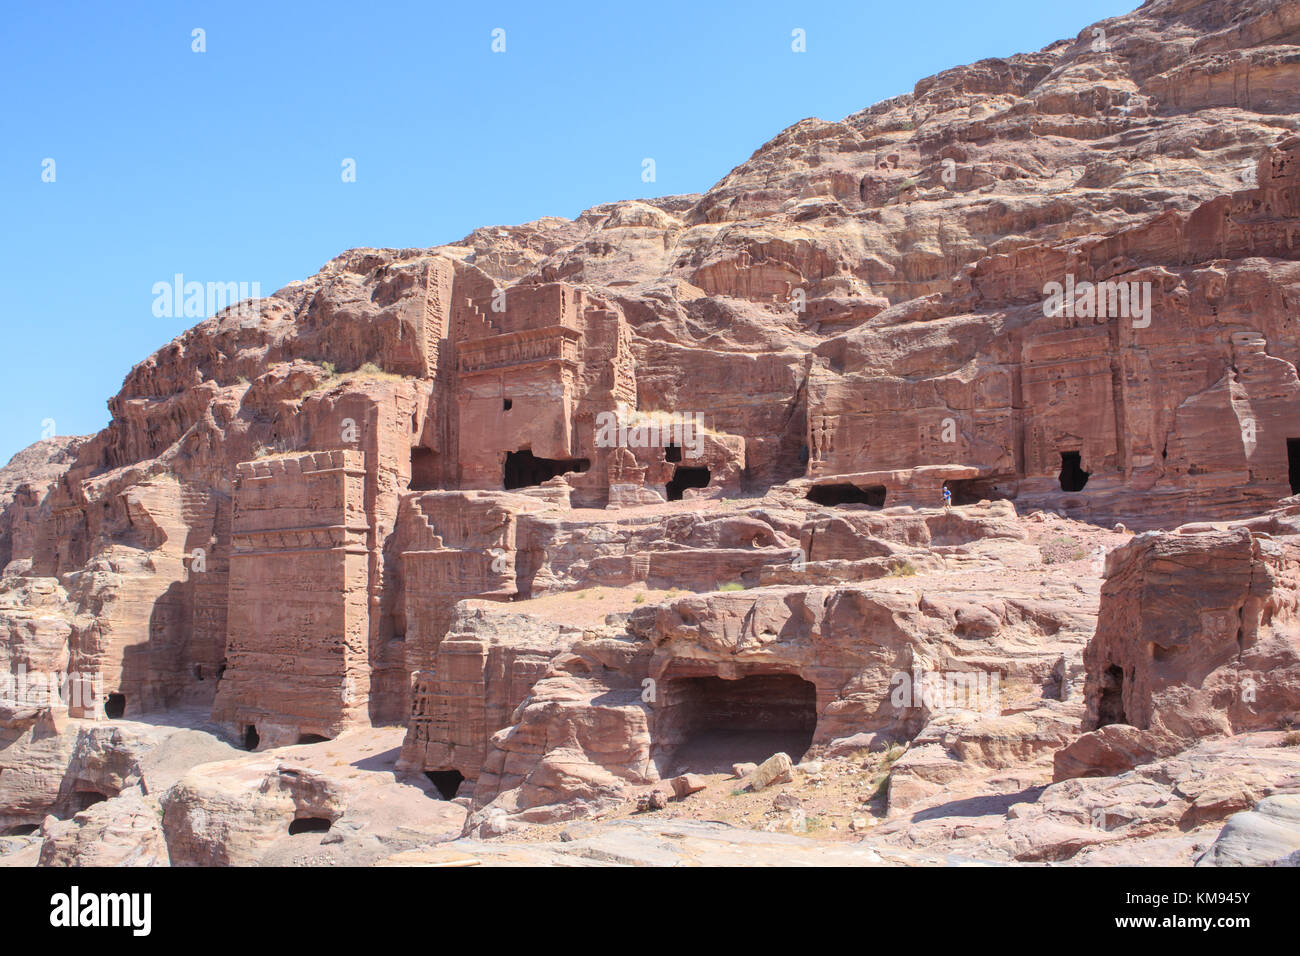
(502, 550)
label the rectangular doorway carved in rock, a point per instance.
(1072, 476)
(424, 469)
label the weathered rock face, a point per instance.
(861, 303)
(575, 745)
(1198, 634)
(52, 765)
(35, 761)
(246, 806)
(481, 671)
(1201, 787)
(1060, 282)
(24, 488)
(335, 801)
(1268, 835)
(127, 833)
(703, 681)
(297, 649)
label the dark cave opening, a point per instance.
(115, 706)
(848, 494)
(673, 453)
(706, 724)
(447, 781)
(1072, 476)
(312, 739)
(23, 829)
(687, 476)
(309, 825)
(971, 491)
(251, 737)
(424, 469)
(1110, 708)
(85, 799)
(523, 469)
(1293, 464)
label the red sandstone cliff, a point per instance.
(293, 499)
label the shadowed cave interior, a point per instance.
(706, 724)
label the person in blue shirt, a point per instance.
(947, 497)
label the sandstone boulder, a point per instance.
(777, 768)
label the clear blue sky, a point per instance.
(226, 165)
